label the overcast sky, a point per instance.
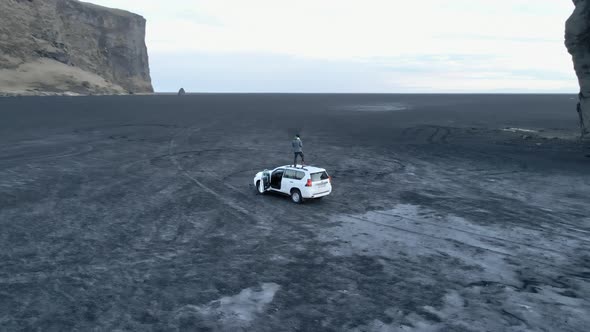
(356, 46)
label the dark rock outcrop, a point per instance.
(181, 92)
(577, 41)
(68, 46)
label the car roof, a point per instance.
(310, 169)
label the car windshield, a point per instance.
(319, 176)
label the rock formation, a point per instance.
(577, 41)
(181, 92)
(67, 46)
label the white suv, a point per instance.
(301, 182)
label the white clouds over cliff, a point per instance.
(398, 46)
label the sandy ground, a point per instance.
(449, 213)
(50, 77)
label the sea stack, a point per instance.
(71, 47)
(577, 41)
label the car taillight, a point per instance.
(308, 184)
(330, 179)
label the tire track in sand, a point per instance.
(173, 157)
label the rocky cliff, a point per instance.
(68, 46)
(577, 41)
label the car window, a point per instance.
(289, 174)
(299, 175)
(319, 176)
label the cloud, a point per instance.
(262, 72)
(454, 39)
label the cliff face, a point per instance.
(577, 41)
(56, 46)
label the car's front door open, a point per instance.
(276, 178)
(266, 180)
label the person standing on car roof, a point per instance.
(297, 145)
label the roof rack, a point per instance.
(295, 167)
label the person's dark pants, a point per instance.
(295, 160)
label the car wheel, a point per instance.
(296, 196)
(260, 187)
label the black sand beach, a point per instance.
(449, 212)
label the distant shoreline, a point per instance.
(73, 94)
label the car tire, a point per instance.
(296, 196)
(259, 188)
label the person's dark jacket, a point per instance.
(297, 145)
